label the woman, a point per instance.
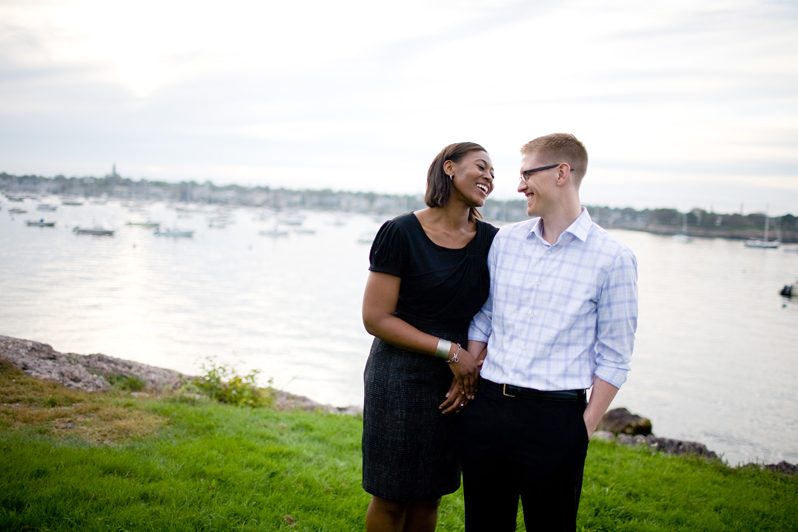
(428, 277)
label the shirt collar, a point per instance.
(579, 228)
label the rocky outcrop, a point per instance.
(43, 362)
(621, 421)
(783, 467)
(665, 445)
(92, 373)
(624, 424)
(626, 428)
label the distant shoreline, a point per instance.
(663, 221)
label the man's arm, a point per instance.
(617, 320)
(617, 324)
(600, 398)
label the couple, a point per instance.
(506, 328)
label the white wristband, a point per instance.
(442, 351)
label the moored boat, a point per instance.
(763, 243)
(148, 225)
(96, 231)
(40, 223)
(174, 233)
(276, 233)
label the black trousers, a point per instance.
(521, 447)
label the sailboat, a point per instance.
(763, 243)
(683, 236)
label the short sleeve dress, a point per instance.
(409, 447)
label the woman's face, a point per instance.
(472, 176)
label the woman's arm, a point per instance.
(379, 305)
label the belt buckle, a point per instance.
(504, 391)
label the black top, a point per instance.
(441, 287)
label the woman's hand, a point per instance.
(466, 371)
(455, 399)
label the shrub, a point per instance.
(223, 383)
(128, 384)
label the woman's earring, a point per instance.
(451, 178)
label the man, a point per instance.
(560, 319)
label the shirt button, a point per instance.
(531, 314)
(548, 252)
(538, 283)
(523, 346)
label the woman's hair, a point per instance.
(439, 186)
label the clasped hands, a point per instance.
(464, 382)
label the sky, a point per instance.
(680, 104)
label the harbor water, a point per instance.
(716, 357)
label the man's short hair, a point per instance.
(560, 148)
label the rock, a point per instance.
(603, 435)
(671, 446)
(154, 378)
(625, 439)
(653, 442)
(621, 421)
(80, 372)
(783, 467)
(43, 362)
(288, 401)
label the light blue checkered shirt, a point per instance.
(558, 315)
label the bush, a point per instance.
(128, 384)
(223, 383)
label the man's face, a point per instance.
(540, 186)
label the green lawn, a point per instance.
(73, 461)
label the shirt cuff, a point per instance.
(614, 376)
(475, 334)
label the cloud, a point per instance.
(310, 90)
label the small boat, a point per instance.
(96, 231)
(40, 223)
(148, 225)
(46, 207)
(73, 203)
(789, 290)
(15, 198)
(683, 236)
(291, 219)
(174, 233)
(17, 211)
(763, 243)
(275, 233)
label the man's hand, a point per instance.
(600, 398)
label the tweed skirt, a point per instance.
(409, 447)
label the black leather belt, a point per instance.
(508, 390)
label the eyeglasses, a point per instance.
(526, 174)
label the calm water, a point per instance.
(715, 359)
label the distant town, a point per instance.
(696, 223)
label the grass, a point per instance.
(111, 461)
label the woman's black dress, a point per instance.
(409, 447)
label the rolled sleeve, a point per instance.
(617, 320)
